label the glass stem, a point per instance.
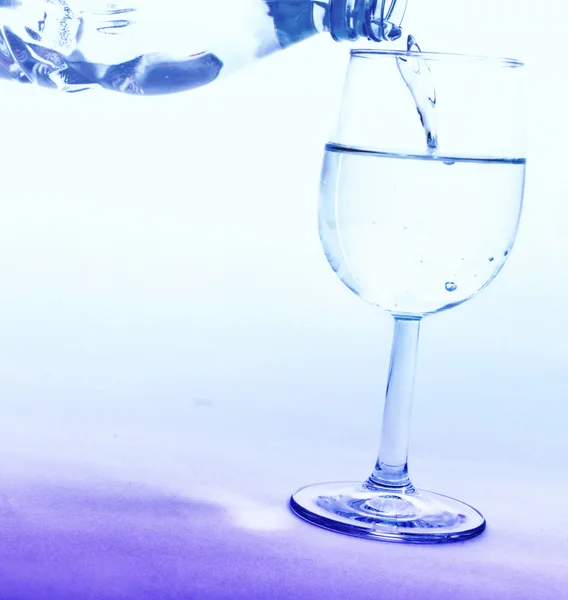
(391, 470)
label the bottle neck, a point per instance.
(345, 20)
(349, 20)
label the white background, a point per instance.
(161, 254)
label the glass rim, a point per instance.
(496, 60)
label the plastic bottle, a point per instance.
(166, 46)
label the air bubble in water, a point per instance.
(451, 286)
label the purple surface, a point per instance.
(119, 541)
(131, 491)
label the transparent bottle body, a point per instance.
(166, 46)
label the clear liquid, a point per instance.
(420, 81)
(417, 234)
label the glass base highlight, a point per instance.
(391, 515)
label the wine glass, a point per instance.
(417, 214)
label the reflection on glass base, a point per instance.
(414, 516)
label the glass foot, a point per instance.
(413, 516)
